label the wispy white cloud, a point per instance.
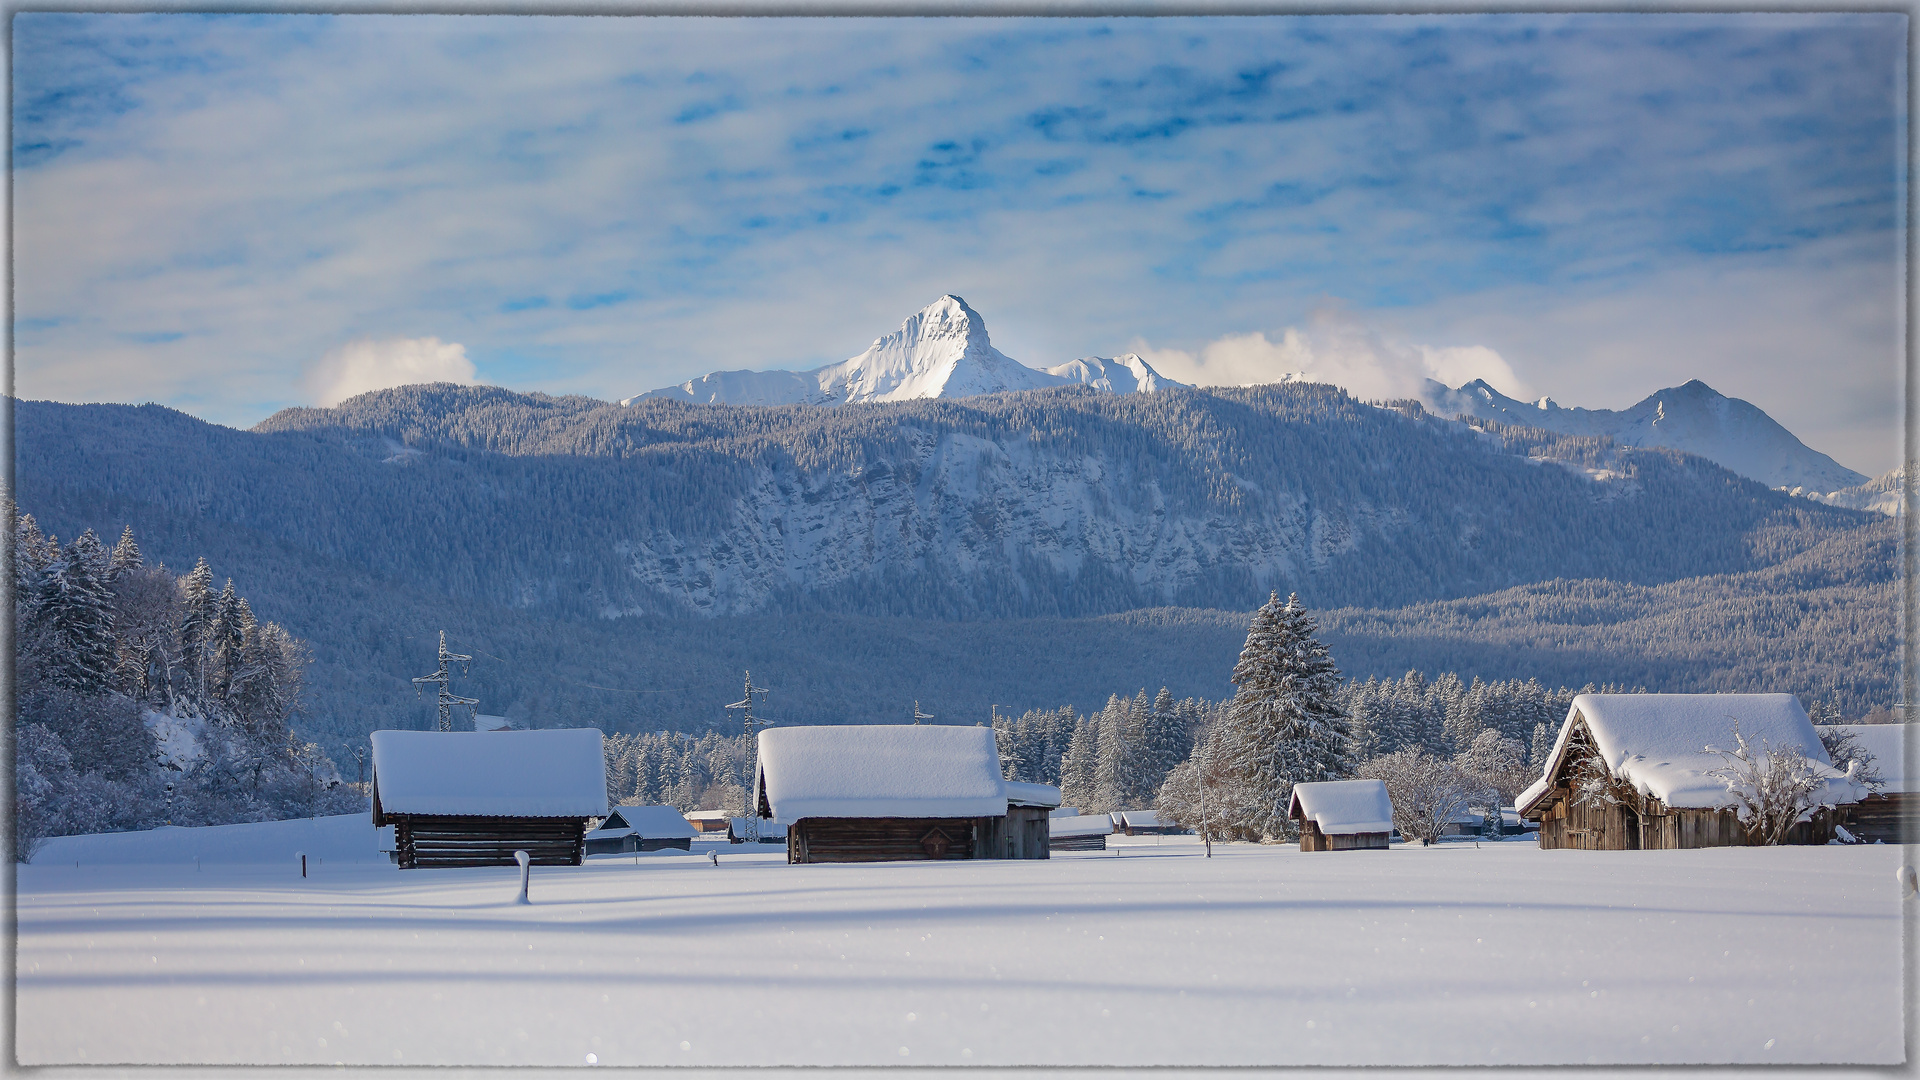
(605, 206)
(1338, 347)
(361, 366)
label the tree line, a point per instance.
(112, 653)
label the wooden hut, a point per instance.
(1890, 812)
(640, 828)
(1656, 754)
(707, 822)
(1143, 823)
(868, 794)
(1342, 815)
(467, 798)
(1079, 832)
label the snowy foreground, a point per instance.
(1146, 954)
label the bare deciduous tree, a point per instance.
(1427, 791)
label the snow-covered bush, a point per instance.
(1842, 747)
(1214, 801)
(1776, 788)
(1427, 790)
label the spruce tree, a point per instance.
(1283, 724)
(1077, 765)
(75, 615)
(198, 611)
(126, 556)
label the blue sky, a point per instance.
(219, 213)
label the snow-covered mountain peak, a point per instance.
(1692, 417)
(1127, 373)
(940, 351)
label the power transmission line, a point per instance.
(448, 699)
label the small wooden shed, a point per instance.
(881, 793)
(640, 828)
(1342, 815)
(468, 798)
(1079, 832)
(1658, 753)
(1890, 813)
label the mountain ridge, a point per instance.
(1692, 417)
(941, 351)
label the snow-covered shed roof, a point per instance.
(1659, 744)
(1066, 811)
(646, 822)
(1341, 807)
(1080, 825)
(708, 815)
(1888, 745)
(1138, 819)
(557, 772)
(1021, 793)
(902, 770)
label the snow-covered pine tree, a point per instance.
(1113, 760)
(1283, 724)
(125, 557)
(199, 608)
(1077, 765)
(225, 641)
(1166, 742)
(1541, 748)
(74, 614)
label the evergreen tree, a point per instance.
(199, 610)
(126, 556)
(1166, 741)
(1077, 766)
(1283, 724)
(75, 618)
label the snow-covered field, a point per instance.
(1146, 954)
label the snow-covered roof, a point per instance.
(902, 770)
(1021, 793)
(650, 822)
(1138, 819)
(1341, 807)
(708, 815)
(1066, 811)
(558, 772)
(1658, 743)
(1088, 825)
(1888, 745)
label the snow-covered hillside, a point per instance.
(1882, 494)
(941, 351)
(1692, 417)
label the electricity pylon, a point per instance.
(917, 714)
(447, 698)
(748, 721)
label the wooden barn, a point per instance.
(640, 828)
(1651, 751)
(467, 798)
(871, 794)
(1890, 813)
(709, 822)
(1079, 832)
(1143, 823)
(1342, 815)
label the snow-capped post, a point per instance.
(1909, 882)
(302, 856)
(526, 870)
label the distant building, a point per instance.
(1655, 750)
(467, 798)
(765, 832)
(640, 828)
(867, 794)
(707, 822)
(485, 722)
(1143, 823)
(1342, 815)
(1892, 814)
(1078, 832)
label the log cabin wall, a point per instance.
(1311, 838)
(1028, 832)
(815, 840)
(429, 840)
(1360, 841)
(1889, 818)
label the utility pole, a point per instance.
(1206, 832)
(747, 723)
(447, 699)
(917, 714)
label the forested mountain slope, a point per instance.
(1087, 543)
(1058, 502)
